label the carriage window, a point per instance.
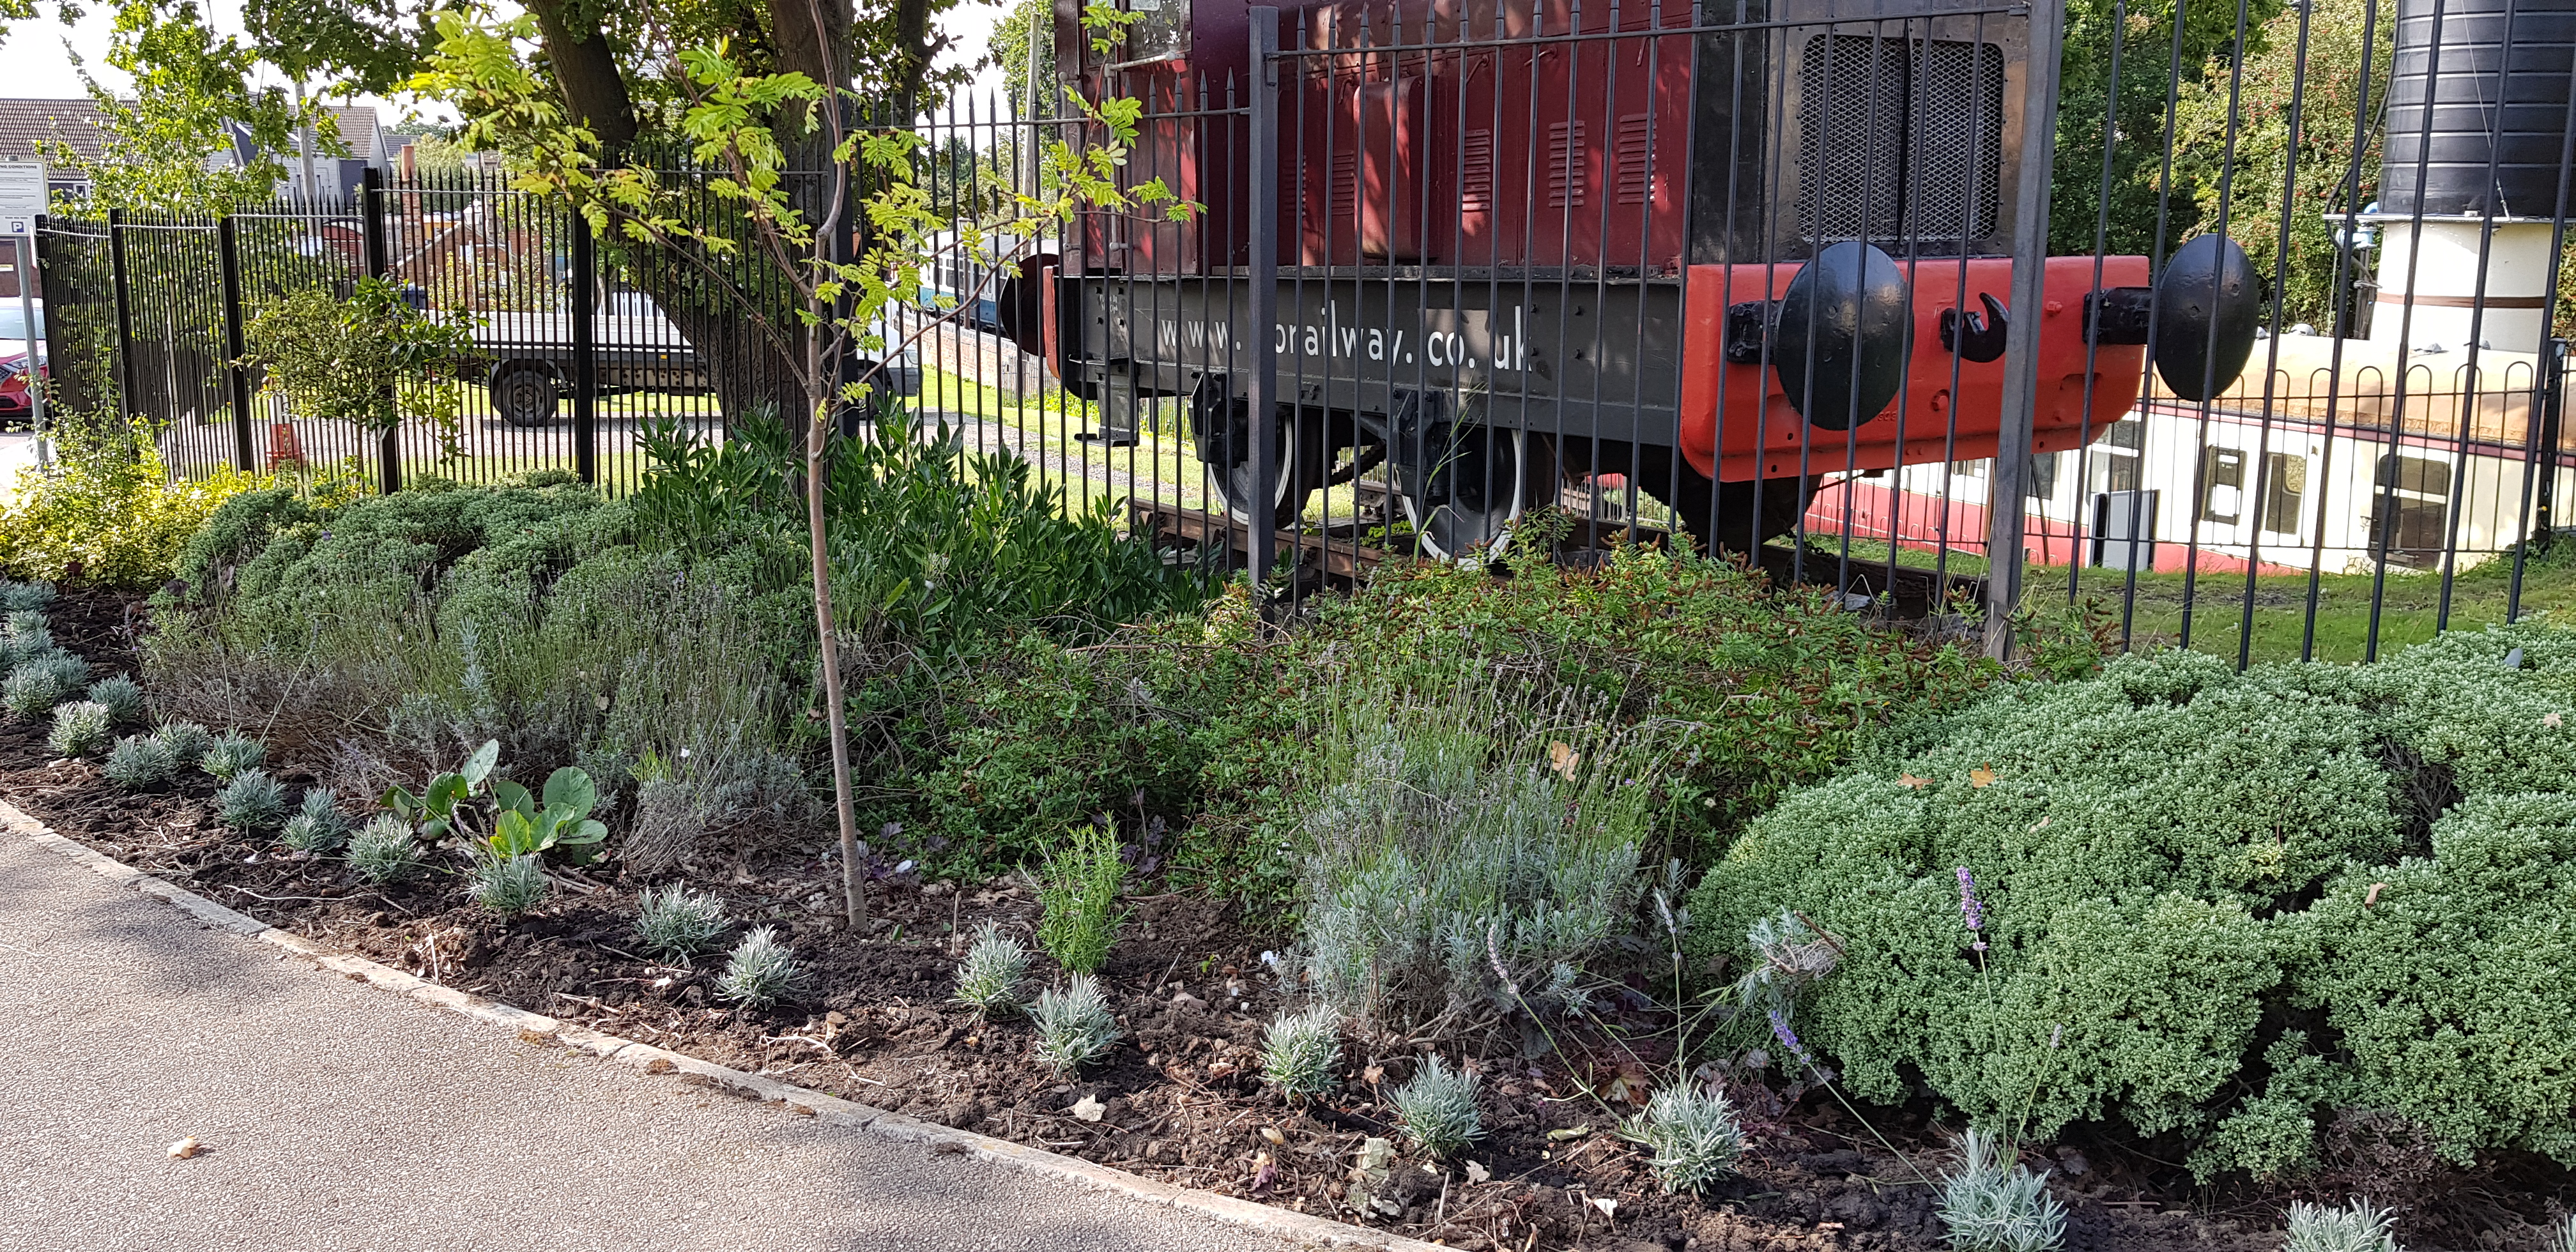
(2285, 491)
(2222, 485)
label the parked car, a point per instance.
(17, 406)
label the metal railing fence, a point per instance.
(1935, 307)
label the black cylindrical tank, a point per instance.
(2477, 107)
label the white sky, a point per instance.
(35, 64)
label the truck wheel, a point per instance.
(525, 395)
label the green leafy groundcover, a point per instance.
(2218, 906)
(1200, 720)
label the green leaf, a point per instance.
(402, 803)
(587, 830)
(479, 766)
(444, 791)
(516, 834)
(511, 796)
(571, 790)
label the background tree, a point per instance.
(192, 95)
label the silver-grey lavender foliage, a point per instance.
(1301, 1053)
(317, 825)
(995, 965)
(383, 849)
(1990, 1203)
(231, 753)
(81, 728)
(1691, 1135)
(252, 801)
(139, 763)
(761, 970)
(509, 884)
(1075, 1026)
(2356, 1227)
(1436, 1108)
(676, 923)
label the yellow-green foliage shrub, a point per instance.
(109, 514)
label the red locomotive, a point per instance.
(1723, 249)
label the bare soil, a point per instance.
(1181, 1098)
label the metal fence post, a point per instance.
(371, 202)
(2553, 409)
(40, 344)
(1261, 392)
(236, 374)
(2004, 503)
(124, 314)
(585, 350)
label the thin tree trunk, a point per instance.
(817, 393)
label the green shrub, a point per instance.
(1463, 862)
(1079, 900)
(2451, 992)
(110, 513)
(2137, 898)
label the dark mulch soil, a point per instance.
(1181, 1101)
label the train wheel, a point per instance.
(1300, 443)
(1489, 476)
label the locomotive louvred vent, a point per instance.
(1565, 165)
(1902, 139)
(1635, 151)
(1476, 172)
(1344, 187)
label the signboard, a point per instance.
(22, 188)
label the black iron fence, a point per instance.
(2243, 325)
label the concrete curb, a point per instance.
(538, 1028)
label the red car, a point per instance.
(16, 407)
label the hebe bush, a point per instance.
(2173, 872)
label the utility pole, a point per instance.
(304, 148)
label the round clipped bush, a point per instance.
(2135, 898)
(251, 802)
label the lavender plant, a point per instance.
(122, 696)
(187, 742)
(509, 884)
(1691, 1135)
(1301, 1052)
(676, 923)
(989, 977)
(29, 597)
(1437, 1110)
(1991, 1203)
(1075, 1026)
(761, 970)
(139, 763)
(383, 849)
(2562, 1235)
(252, 801)
(81, 728)
(317, 826)
(35, 686)
(230, 754)
(2356, 1227)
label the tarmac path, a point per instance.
(337, 1116)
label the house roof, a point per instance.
(73, 123)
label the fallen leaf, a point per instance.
(1272, 1134)
(1909, 780)
(1560, 1136)
(1563, 759)
(1477, 1173)
(2551, 721)
(1088, 1108)
(2373, 898)
(1981, 776)
(2041, 824)
(186, 1148)
(1373, 1075)
(1267, 1174)
(1608, 1206)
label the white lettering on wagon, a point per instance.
(1334, 339)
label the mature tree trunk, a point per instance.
(586, 68)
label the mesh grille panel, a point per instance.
(1899, 138)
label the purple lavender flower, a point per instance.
(1975, 912)
(1789, 1038)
